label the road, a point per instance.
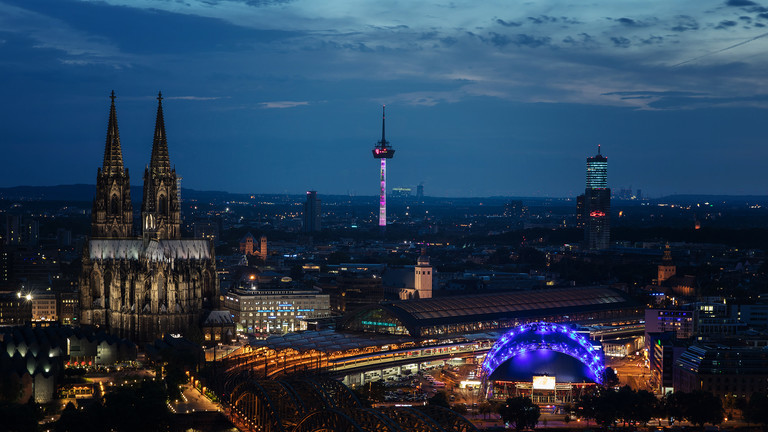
(193, 401)
(632, 373)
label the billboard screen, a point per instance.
(543, 383)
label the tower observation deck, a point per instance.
(382, 150)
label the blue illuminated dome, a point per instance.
(531, 347)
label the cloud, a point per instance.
(542, 19)
(740, 3)
(685, 23)
(508, 23)
(78, 48)
(621, 41)
(628, 22)
(283, 104)
(725, 24)
(519, 40)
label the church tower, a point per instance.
(160, 209)
(112, 214)
(667, 268)
(423, 276)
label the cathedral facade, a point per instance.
(143, 285)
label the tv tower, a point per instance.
(382, 150)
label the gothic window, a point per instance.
(114, 208)
(95, 286)
(162, 205)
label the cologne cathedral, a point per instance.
(141, 286)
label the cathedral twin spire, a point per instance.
(113, 155)
(112, 215)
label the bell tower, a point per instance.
(160, 209)
(423, 276)
(112, 214)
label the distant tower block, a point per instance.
(382, 150)
(666, 268)
(312, 213)
(423, 276)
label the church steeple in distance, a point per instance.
(160, 209)
(111, 216)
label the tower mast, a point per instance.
(382, 150)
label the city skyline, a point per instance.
(484, 100)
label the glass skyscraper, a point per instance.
(597, 204)
(597, 171)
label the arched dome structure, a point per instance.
(542, 336)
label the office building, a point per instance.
(597, 204)
(312, 213)
(259, 305)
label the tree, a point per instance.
(460, 408)
(756, 410)
(10, 388)
(703, 407)
(373, 391)
(611, 379)
(485, 408)
(520, 412)
(439, 399)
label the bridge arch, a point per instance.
(537, 336)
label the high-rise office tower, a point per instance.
(597, 204)
(382, 150)
(312, 212)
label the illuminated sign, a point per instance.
(377, 323)
(543, 383)
(470, 383)
(597, 213)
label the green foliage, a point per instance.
(698, 407)
(10, 388)
(611, 379)
(608, 406)
(486, 408)
(460, 409)
(372, 391)
(520, 413)
(174, 378)
(439, 399)
(138, 408)
(19, 417)
(756, 410)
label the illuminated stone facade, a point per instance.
(143, 287)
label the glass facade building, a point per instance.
(596, 207)
(597, 172)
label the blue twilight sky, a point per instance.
(483, 98)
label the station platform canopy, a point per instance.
(444, 316)
(329, 341)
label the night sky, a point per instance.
(483, 98)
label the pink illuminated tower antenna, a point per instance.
(382, 150)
